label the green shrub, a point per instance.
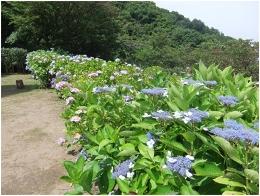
(38, 62)
(13, 59)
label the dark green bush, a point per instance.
(13, 59)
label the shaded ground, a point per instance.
(31, 159)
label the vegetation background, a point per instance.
(136, 32)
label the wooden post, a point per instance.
(19, 84)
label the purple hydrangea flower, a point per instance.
(228, 100)
(61, 85)
(155, 91)
(161, 115)
(105, 89)
(123, 170)
(180, 165)
(210, 83)
(53, 82)
(197, 115)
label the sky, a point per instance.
(238, 19)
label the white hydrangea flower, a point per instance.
(130, 174)
(190, 157)
(177, 115)
(188, 174)
(186, 120)
(146, 115)
(121, 177)
(150, 143)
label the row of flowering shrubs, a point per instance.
(146, 131)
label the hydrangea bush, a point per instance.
(146, 131)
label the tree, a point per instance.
(78, 27)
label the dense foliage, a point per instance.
(146, 131)
(13, 59)
(137, 32)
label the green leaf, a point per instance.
(66, 178)
(216, 114)
(233, 115)
(208, 169)
(144, 125)
(203, 70)
(103, 143)
(228, 148)
(187, 190)
(233, 193)
(252, 175)
(163, 190)
(176, 145)
(71, 169)
(86, 180)
(123, 186)
(127, 149)
(146, 151)
(227, 181)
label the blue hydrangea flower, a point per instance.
(228, 100)
(242, 134)
(151, 141)
(105, 89)
(180, 165)
(197, 115)
(233, 124)
(161, 115)
(210, 83)
(149, 136)
(84, 154)
(123, 169)
(155, 91)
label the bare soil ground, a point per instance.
(31, 124)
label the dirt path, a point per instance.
(31, 124)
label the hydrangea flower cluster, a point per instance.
(74, 90)
(126, 86)
(193, 115)
(60, 85)
(210, 83)
(122, 171)
(75, 119)
(151, 141)
(236, 131)
(228, 100)
(159, 115)
(180, 165)
(155, 91)
(63, 77)
(94, 74)
(83, 154)
(69, 100)
(192, 82)
(105, 89)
